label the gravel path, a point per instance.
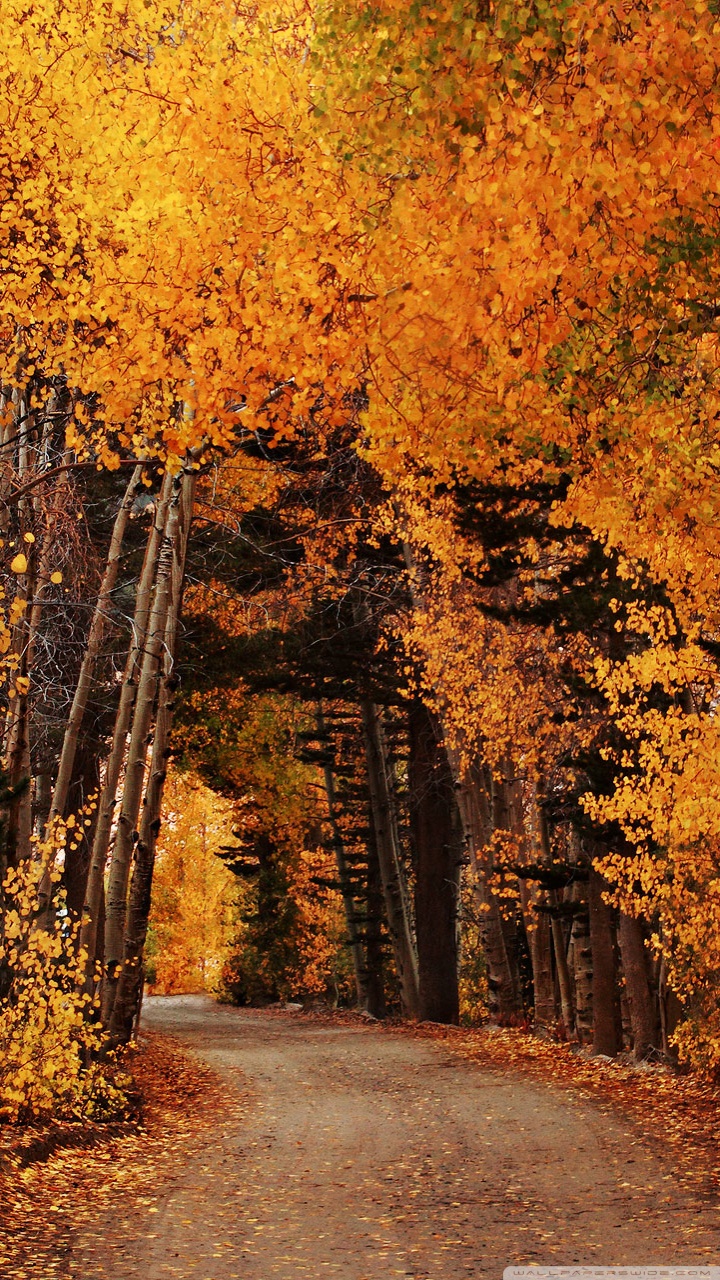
(366, 1155)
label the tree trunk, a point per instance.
(670, 1012)
(85, 783)
(644, 1013)
(17, 729)
(147, 691)
(562, 970)
(555, 924)
(607, 1036)
(129, 984)
(95, 891)
(438, 852)
(92, 649)
(34, 584)
(374, 975)
(537, 929)
(582, 965)
(391, 871)
(349, 904)
(474, 801)
(26, 581)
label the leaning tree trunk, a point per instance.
(68, 752)
(129, 986)
(438, 853)
(94, 905)
(145, 702)
(92, 650)
(85, 783)
(393, 879)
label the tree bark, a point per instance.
(475, 804)
(607, 1035)
(391, 871)
(582, 965)
(33, 584)
(555, 925)
(16, 743)
(562, 970)
(147, 691)
(129, 984)
(644, 1013)
(537, 929)
(349, 904)
(85, 783)
(95, 891)
(670, 1012)
(92, 649)
(374, 976)
(438, 852)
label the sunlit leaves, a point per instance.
(45, 1035)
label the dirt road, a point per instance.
(366, 1155)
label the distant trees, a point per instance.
(194, 894)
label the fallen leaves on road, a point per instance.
(60, 1182)
(61, 1186)
(678, 1111)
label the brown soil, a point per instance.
(329, 1147)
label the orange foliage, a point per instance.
(501, 221)
(539, 268)
(194, 893)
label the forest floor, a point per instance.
(284, 1145)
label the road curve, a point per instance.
(365, 1155)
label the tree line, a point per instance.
(389, 339)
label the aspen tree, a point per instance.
(40, 511)
(132, 792)
(539, 936)
(94, 895)
(129, 986)
(93, 643)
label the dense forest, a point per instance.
(359, 458)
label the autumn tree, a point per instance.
(537, 285)
(438, 284)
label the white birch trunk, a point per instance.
(147, 690)
(94, 894)
(129, 987)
